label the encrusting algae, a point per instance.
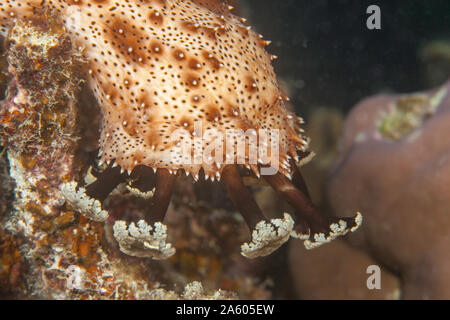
(163, 73)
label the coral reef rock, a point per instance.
(337, 271)
(394, 166)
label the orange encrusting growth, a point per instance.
(156, 66)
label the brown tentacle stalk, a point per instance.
(105, 184)
(241, 196)
(165, 183)
(304, 208)
(298, 181)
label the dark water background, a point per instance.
(329, 56)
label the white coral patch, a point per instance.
(143, 240)
(193, 291)
(268, 236)
(336, 230)
(89, 207)
(75, 278)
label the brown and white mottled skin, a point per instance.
(156, 66)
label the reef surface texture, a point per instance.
(394, 165)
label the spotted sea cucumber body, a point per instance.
(156, 66)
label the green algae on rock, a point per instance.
(409, 113)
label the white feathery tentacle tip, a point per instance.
(268, 236)
(89, 207)
(143, 240)
(337, 229)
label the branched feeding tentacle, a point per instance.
(304, 208)
(311, 225)
(266, 235)
(148, 238)
(88, 200)
(241, 196)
